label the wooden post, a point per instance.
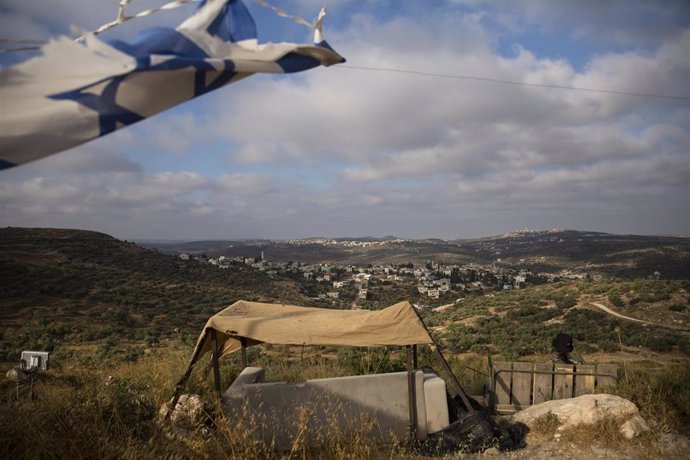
(502, 377)
(563, 381)
(522, 385)
(584, 384)
(489, 397)
(607, 375)
(414, 356)
(243, 351)
(542, 389)
(412, 400)
(216, 366)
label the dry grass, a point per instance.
(89, 410)
(544, 428)
(110, 412)
(662, 394)
(606, 435)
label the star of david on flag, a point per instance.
(78, 91)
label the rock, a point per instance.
(583, 410)
(189, 413)
(634, 427)
(492, 451)
(16, 375)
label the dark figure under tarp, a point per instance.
(563, 344)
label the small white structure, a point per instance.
(35, 360)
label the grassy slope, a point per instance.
(75, 287)
(522, 322)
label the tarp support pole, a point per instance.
(216, 366)
(414, 356)
(446, 368)
(183, 380)
(243, 351)
(453, 379)
(411, 393)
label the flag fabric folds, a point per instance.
(76, 92)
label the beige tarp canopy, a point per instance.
(292, 325)
(252, 323)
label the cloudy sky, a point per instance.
(356, 149)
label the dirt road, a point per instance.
(611, 312)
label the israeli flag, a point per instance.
(76, 92)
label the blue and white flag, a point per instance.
(76, 92)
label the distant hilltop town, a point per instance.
(432, 279)
(547, 254)
(362, 243)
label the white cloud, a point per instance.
(41, 19)
(345, 151)
(627, 22)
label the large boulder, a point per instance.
(583, 410)
(189, 413)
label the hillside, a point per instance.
(628, 256)
(521, 323)
(79, 286)
(625, 256)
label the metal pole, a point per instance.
(444, 364)
(180, 384)
(216, 367)
(243, 351)
(412, 400)
(414, 356)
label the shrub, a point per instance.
(607, 345)
(565, 302)
(616, 300)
